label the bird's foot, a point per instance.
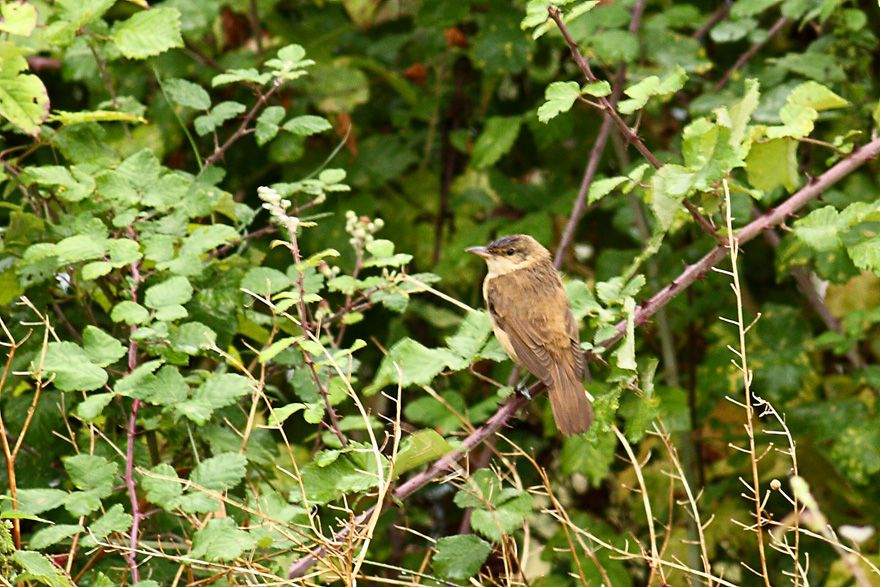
(523, 390)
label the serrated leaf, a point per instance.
(148, 33)
(36, 501)
(651, 86)
(265, 280)
(91, 407)
(165, 491)
(24, 101)
(267, 124)
(421, 447)
(186, 93)
(802, 108)
(71, 118)
(219, 391)
(820, 229)
(558, 97)
(114, 520)
(72, 367)
(772, 164)
(18, 18)
(37, 567)
(101, 348)
(91, 472)
(307, 125)
(129, 312)
(220, 472)
(498, 136)
(602, 187)
(46, 537)
(418, 365)
(221, 540)
(458, 558)
(496, 511)
(173, 291)
(217, 116)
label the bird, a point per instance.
(532, 319)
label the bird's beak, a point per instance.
(478, 251)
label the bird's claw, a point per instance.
(523, 390)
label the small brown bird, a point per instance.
(532, 319)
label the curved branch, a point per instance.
(512, 405)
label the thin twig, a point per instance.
(631, 135)
(598, 149)
(744, 58)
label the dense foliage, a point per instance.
(243, 343)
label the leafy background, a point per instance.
(239, 320)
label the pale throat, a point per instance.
(504, 265)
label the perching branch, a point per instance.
(693, 272)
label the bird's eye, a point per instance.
(509, 252)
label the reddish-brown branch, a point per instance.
(745, 57)
(513, 404)
(262, 100)
(609, 109)
(716, 17)
(580, 203)
(131, 432)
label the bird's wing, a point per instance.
(540, 333)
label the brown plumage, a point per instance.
(532, 320)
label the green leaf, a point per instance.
(37, 567)
(421, 447)
(649, 87)
(267, 124)
(558, 97)
(46, 537)
(129, 312)
(592, 459)
(729, 31)
(114, 520)
(219, 114)
(18, 18)
(744, 8)
(91, 472)
(279, 415)
(602, 187)
(192, 337)
(265, 280)
(71, 184)
(470, 338)
(221, 472)
(802, 108)
(240, 75)
(165, 491)
(820, 229)
(418, 365)
(458, 558)
(496, 511)
(92, 407)
(290, 62)
(102, 349)
(598, 89)
(171, 292)
(219, 391)
(186, 93)
(772, 164)
(24, 101)
(221, 540)
(36, 501)
(495, 141)
(148, 33)
(72, 367)
(625, 355)
(307, 125)
(669, 186)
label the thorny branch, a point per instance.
(509, 408)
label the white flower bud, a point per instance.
(267, 194)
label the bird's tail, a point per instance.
(571, 408)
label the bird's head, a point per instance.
(510, 253)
